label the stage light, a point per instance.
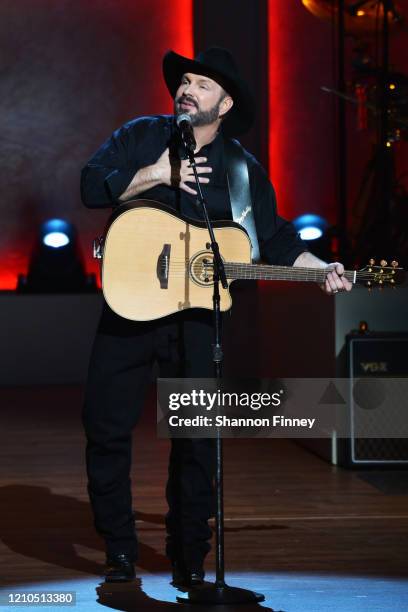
(56, 264)
(55, 233)
(310, 226)
(321, 239)
(55, 240)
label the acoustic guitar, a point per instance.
(155, 263)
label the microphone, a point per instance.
(186, 129)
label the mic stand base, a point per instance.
(220, 594)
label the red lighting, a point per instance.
(103, 45)
(278, 92)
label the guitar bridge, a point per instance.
(163, 265)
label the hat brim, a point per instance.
(241, 116)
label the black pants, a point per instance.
(119, 373)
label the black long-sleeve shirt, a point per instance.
(141, 142)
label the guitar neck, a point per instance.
(288, 273)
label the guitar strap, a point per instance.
(239, 192)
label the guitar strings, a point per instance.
(268, 267)
(254, 270)
(277, 269)
(297, 277)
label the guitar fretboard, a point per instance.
(267, 272)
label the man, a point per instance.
(145, 159)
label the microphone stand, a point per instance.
(219, 592)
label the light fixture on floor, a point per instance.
(310, 226)
(56, 264)
(321, 239)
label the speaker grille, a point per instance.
(383, 355)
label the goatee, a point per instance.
(200, 118)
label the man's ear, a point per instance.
(226, 105)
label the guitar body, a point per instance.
(156, 263)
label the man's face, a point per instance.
(202, 98)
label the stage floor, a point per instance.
(307, 535)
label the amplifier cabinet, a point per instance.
(383, 355)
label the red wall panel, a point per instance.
(300, 114)
(71, 73)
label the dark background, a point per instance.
(72, 72)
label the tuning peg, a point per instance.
(383, 263)
(394, 263)
(371, 262)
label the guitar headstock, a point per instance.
(382, 274)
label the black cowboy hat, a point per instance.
(219, 65)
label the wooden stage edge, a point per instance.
(288, 513)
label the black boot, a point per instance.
(187, 576)
(119, 568)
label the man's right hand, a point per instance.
(177, 173)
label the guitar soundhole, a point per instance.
(201, 268)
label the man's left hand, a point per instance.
(335, 281)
